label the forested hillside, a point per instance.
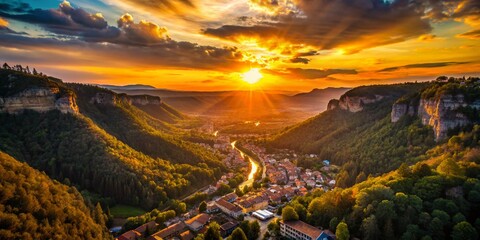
(139, 130)
(32, 206)
(115, 150)
(434, 199)
(365, 141)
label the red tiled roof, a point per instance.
(229, 206)
(143, 228)
(305, 228)
(130, 235)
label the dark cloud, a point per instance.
(306, 54)
(422, 65)
(439, 10)
(299, 60)
(352, 25)
(474, 34)
(66, 20)
(309, 73)
(169, 53)
(145, 43)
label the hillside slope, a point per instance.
(32, 206)
(363, 138)
(438, 198)
(85, 147)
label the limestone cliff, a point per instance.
(356, 103)
(442, 113)
(38, 99)
(332, 104)
(145, 100)
(111, 98)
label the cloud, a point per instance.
(422, 65)
(427, 37)
(464, 10)
(299, 60)
(162, 6)
(65, 20)
(167, 54)
(147, 43)
(474, 34)
(303, 73)
(324, 24)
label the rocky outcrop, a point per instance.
(356, 103)
(110, 98)
(145, 100)
(440, 113)
(40, 100)
(333, 104)
(107, 98)
(402, 109)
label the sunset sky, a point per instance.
(297, 45)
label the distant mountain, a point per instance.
(323, 92)
(244, 104)
(128, 87)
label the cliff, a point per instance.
(356, 103)
(40, 100)
(111, 98)
(442, 114)
(145, 100)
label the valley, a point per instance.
(399, 158)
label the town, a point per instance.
(274, 179)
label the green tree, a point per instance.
(289, 214)
(213, 232)
(370, 228)
(237, 234)
(202, 207)
(464, 231)
(449, 167)
(342, 232)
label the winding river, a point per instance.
(254, 166)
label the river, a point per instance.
(254, 166)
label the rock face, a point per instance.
(110, 98)
(356, 103)
(401, 109)
(145, 100)
(441, 114)
(333, 104)
(38, 99)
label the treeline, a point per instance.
(434, 199)
(32, 206)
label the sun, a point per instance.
(252, 76)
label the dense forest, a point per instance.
(438, 198)
(364, 142)
(117, 151)
(32, 206)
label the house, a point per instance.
(186, 235)
(147, 228)
(299, 230)
(212, 208)
(231, 197)
(253, 203)
(198, 222)
(130, 235)
(229, 208)
(227, 228)
(169, 232)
